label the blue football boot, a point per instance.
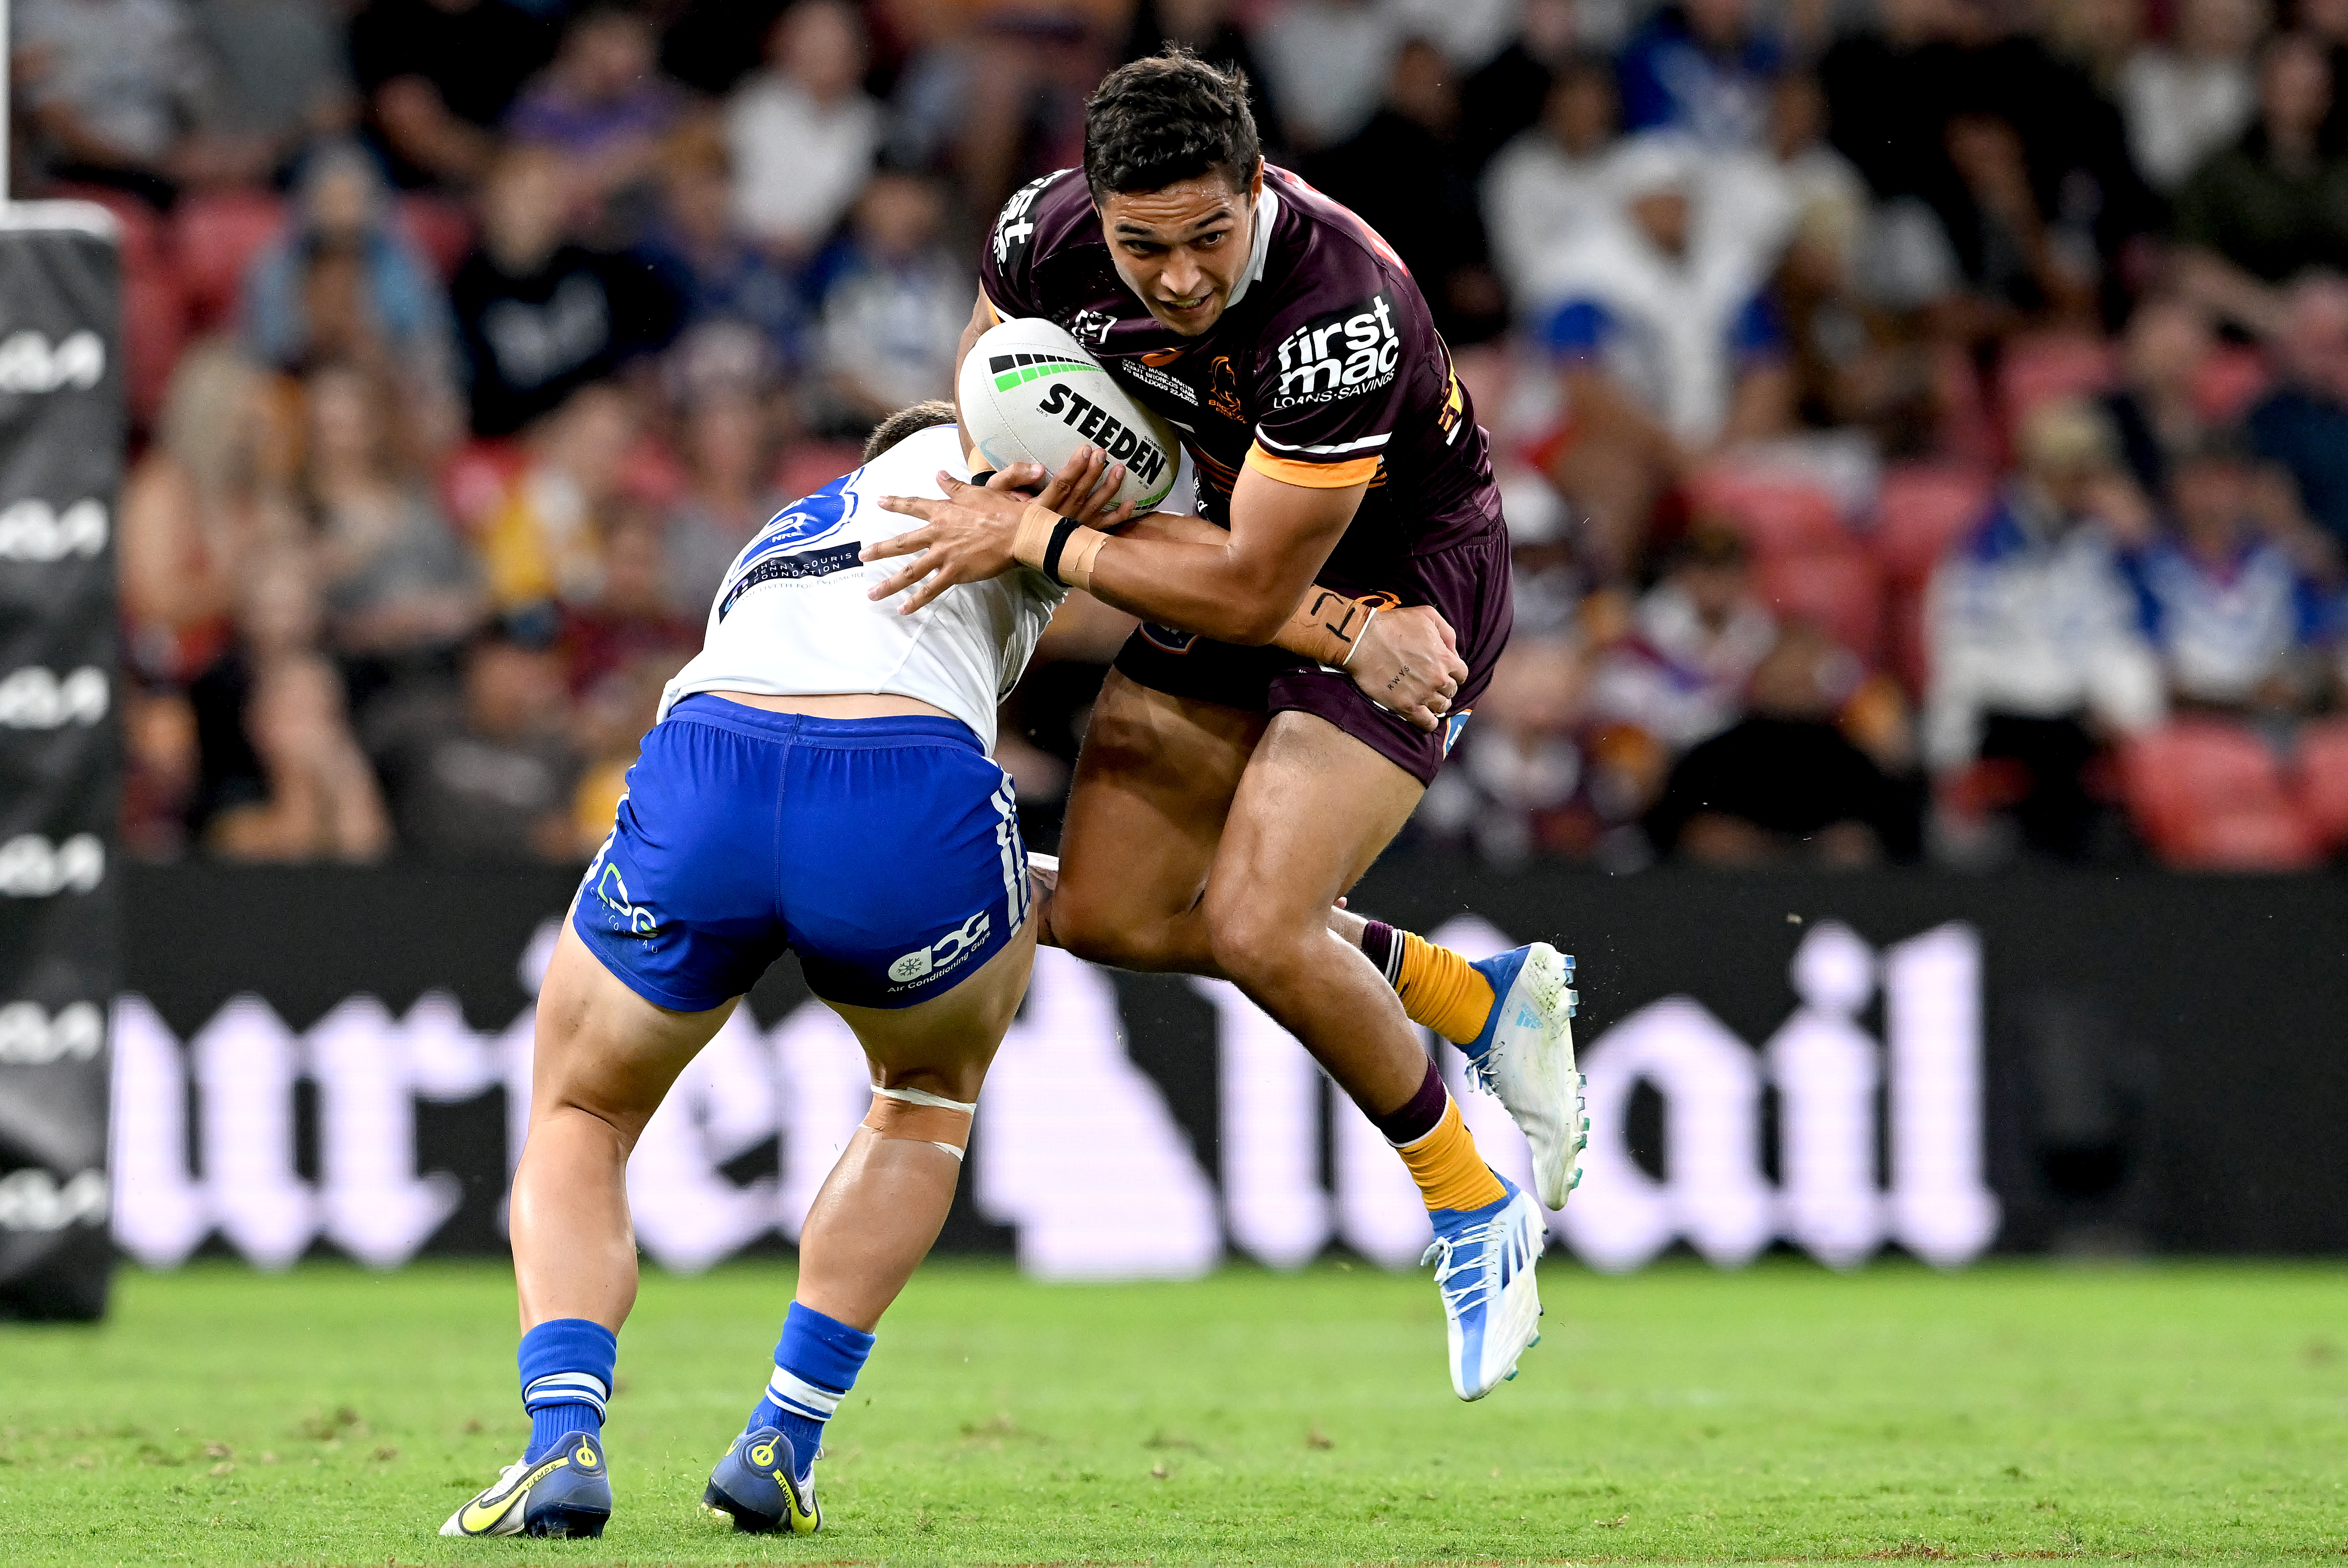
(758, 1484)
(1484, 1262)
(565, 1492)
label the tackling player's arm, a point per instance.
(1241, 586)
(1253, 584)
(1238, 587)
(982, 316)
(1406, 657)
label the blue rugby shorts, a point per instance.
(884, 851)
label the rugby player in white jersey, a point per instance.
(819, 780)
(1233, 783)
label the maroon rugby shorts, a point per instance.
(1467, 584)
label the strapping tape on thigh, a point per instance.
(921, 1117)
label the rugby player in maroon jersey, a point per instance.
(1234, 783)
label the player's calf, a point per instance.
(874, 1219)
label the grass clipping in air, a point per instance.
(1783, 1414)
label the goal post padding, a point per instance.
(62, 432)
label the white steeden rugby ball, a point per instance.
(1030, 394)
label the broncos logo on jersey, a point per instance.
(1223, 389)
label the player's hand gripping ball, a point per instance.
(969, 536)
(1031, 394)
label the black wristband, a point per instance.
(979, 478)
(1062, 531)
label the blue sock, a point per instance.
(816, 1365)
(566, 1377)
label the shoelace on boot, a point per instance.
(505, 1478)
(1481, 1074)
(1442, 1251)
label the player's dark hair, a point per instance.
(1169, 118)
(905, 422)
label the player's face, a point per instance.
(1183, 248)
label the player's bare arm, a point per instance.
(1404, 656)
(982, 316)
(1239, 589)
(1239, 586)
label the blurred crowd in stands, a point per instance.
(1923, 423)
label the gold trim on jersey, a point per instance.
(1314, 476)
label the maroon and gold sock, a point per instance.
(1434, 1143)
(1436, 986)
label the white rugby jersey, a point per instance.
(791, 618)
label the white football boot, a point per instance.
(1525, 1055)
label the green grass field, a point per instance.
(1783, 1414)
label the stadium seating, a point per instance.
(2043, 368)
(2208, 794)
(214, 237)
(1923, 509)
(442, 227)
(143, 244)
(154, 332)
(1965, 427)
(1777, 514)
(2322, 780)
(1921, 513)
(1840, 591)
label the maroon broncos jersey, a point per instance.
(1324, 369)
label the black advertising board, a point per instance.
(1948, 1065)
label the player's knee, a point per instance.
(582, 1076)
(903, 1112)
(956, 1078)
(1105, 942)
(1250, 935)
(1120, 938)
(594, 1118)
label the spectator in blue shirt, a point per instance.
(341, 215)
(710, 265)
(2304, 424)
(2236, 621)
(1702, 67)
(894, 293)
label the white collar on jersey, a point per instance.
(1267, 212)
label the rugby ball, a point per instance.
(1030, 394)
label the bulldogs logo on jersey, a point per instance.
(1342, 354)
